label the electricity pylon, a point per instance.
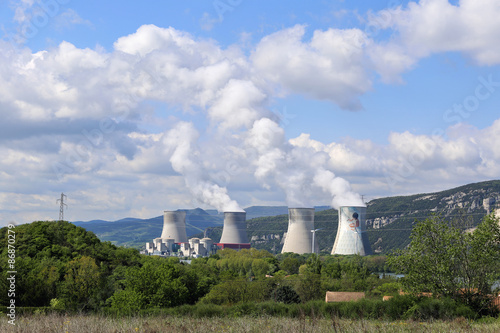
(61, 208)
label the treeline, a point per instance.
(63, 267)
(66, 267)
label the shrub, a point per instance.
(208, 310)
(287, 295)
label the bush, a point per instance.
(397, 306)
(431, 308)
(245, 309)
(208, 310)
(287, 295)
(274, 309)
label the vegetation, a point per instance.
(63, 268)
(96, 323)
(447, 261)
(401, 210)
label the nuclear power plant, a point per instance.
(234, 232)
(173, 239)
(299, 236)
(351, 232)
(174, 226)
(351, 235)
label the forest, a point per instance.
(62, 267)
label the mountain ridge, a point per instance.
(389, 220)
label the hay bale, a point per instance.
(343, 296)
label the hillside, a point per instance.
(47, 255)
(133, 232)
(389, 220)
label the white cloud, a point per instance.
(69, 18)
(207, 22)
(331, 66)
(21, 9)
(73, 121)
(436, 26)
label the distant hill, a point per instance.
(134, 232)
(389, 220)
(265, 211)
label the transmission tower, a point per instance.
(61, 208)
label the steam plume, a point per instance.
(299, 171)
(181, 139)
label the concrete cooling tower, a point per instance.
(351, 233)
(174, 226)
(299, 236)
(235, 228)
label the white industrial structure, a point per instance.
(299, 236)
(235, 228)
(174, 226)
(196, 247)
(173, 239)
(351, 233)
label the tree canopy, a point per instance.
(445, 259)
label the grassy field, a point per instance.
(94, 323)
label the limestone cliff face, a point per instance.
(389, 220)
(394, 217)
(480, 202)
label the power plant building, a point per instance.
(299, 236)
(174, 226)
(351, 233)
(234, 232)
(173, 239)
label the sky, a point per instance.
(134, 108)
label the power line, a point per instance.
(61, 207)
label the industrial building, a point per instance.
(173, 240)
(351, 232)
(235, 228)
(174, 226)
(299, 235)
(234, 232)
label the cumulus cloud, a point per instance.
(435, 26)
(74, 119)
(331, 66)
(352, 157)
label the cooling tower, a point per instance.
(299, 236)
(351, 233)
(235, 228)
(174, 226)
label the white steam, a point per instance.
(338, 188)
(182, 139)
(299, 171)
(233, 91)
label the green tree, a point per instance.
(286, 294)
(81, 283)
(260, 267)
(308, 286)
(444, 259)
(290, 265)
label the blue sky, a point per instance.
(135, 108)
